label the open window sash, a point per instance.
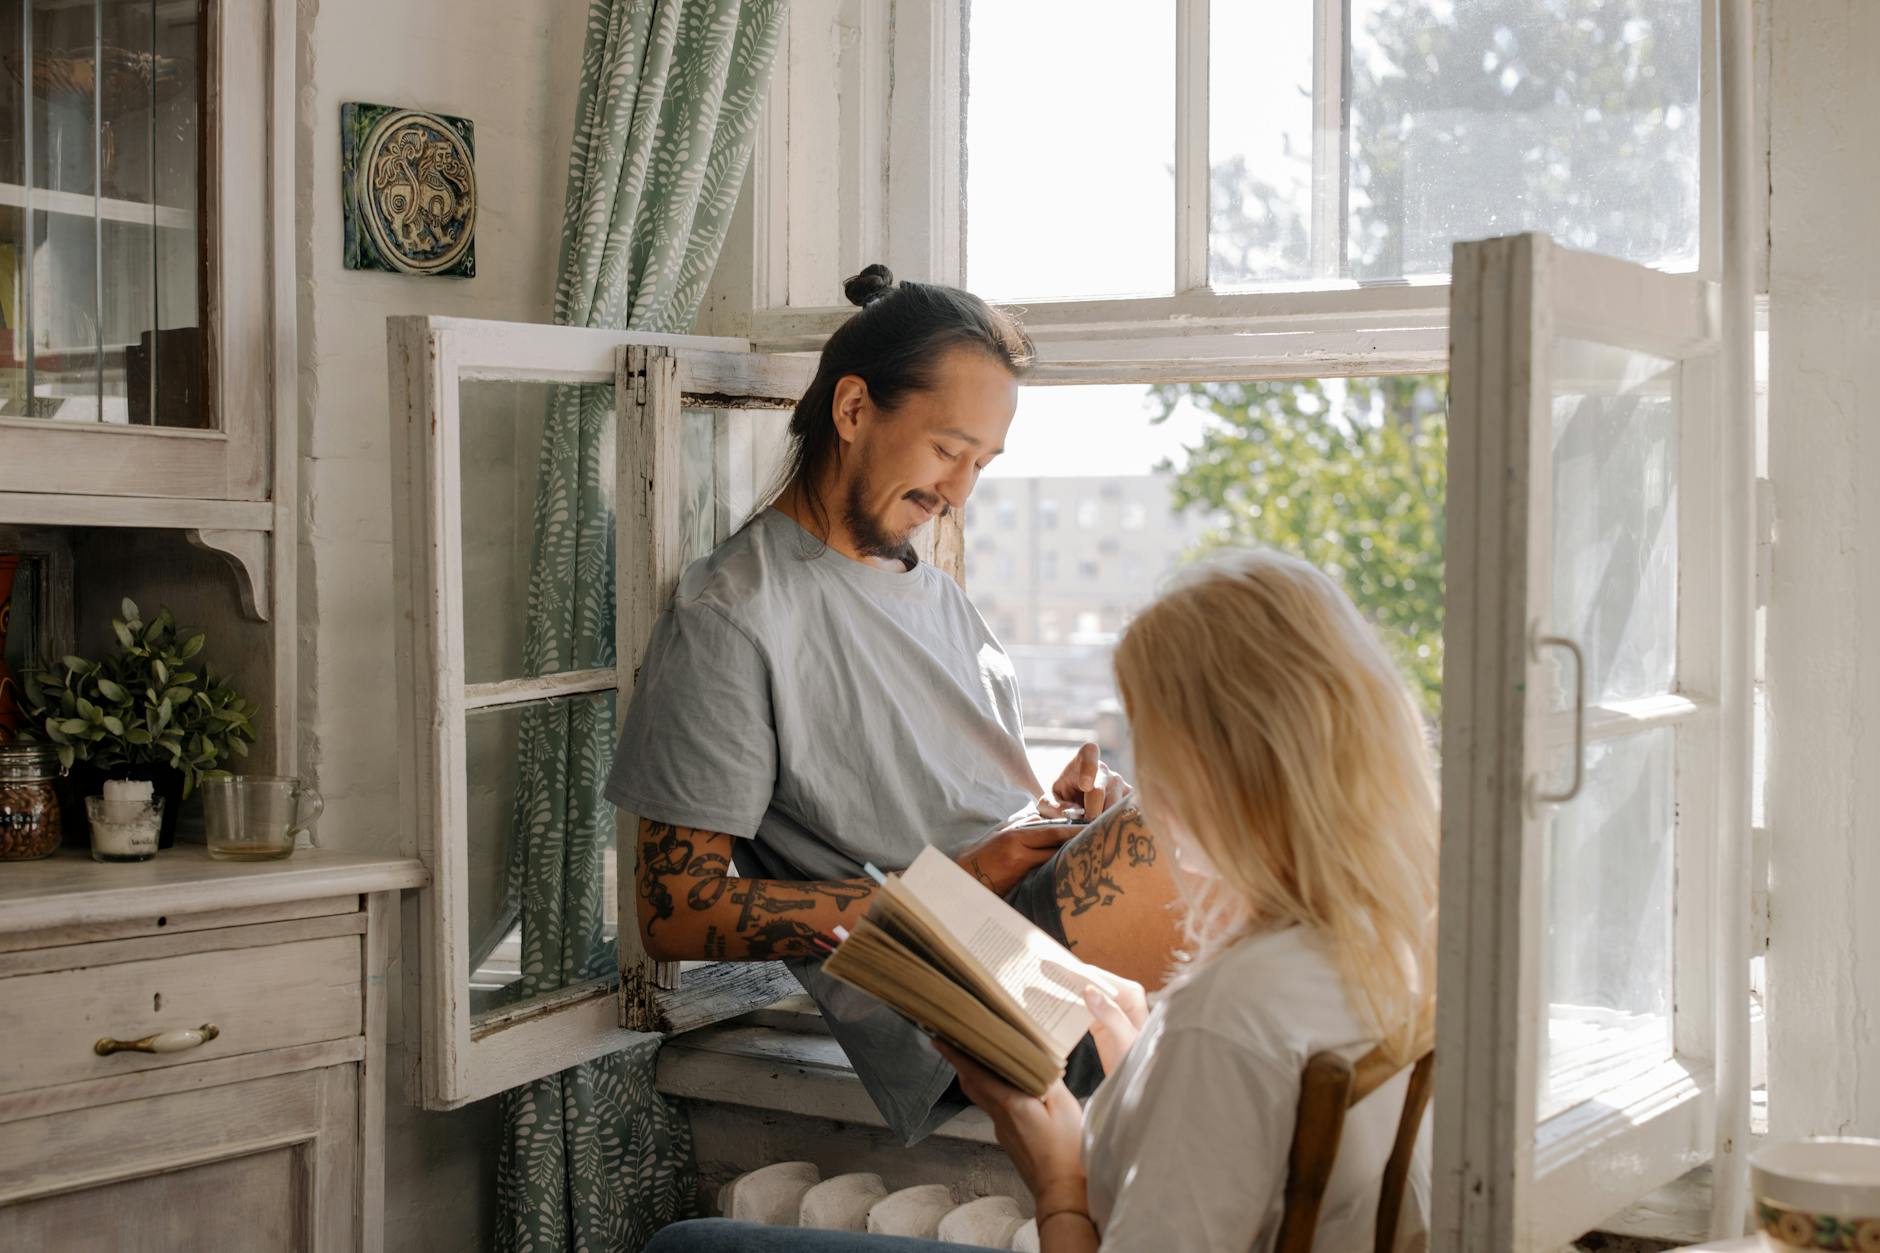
(716, 421)
(1584, 736)
(480, 709)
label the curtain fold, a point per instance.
(671, 91)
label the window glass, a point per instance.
(1260, 142)
(1449, 121)
(516, 754)
(1606, 973)
(1498, 116)
(1348, 474)
(1070, 134)
(500, 462)
(1615, 547)
(99, 275)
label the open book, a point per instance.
(942, 950)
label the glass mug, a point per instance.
(255, 817)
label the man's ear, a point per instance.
(849, 406)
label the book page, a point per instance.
(1036, 971)
(875, 962)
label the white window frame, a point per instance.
(1505, 1179)
(1325, 327)
(911, 215)
(453, 1058)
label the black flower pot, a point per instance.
(85, 779)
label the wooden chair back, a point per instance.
(1330, 1086)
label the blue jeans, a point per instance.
(721, 1235)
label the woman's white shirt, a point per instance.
(1185, 1145)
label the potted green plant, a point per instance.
(152, 710)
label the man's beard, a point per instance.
(872, 538)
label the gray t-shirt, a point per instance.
(827, 713)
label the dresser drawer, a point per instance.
(257, 994)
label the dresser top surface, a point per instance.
(70, 889)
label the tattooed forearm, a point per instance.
(1086, 869)
(727, 917)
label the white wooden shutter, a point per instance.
(1579, 992)
(467, 400)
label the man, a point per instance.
(817, 699)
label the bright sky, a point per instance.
(1071, 186)
(1090, 431)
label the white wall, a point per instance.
(512, 68)
(1823, 798)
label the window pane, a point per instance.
(1615, 517)
(535, 773)
(100, 286)
(1606, 968)
(1496, 116)
(1260, 143)
(1070, 181)
(502, 462)
(1347, 474)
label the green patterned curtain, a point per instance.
(671, 90)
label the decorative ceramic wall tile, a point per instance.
(409, 182)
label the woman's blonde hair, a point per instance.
(1275, 740)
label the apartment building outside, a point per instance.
(1057, 566)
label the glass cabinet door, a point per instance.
(100, 281)
(145, 245)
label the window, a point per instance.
(1594, 668)
(1087, 515)
(1278, 200)
(1341, 141)
(1047, 514)
(485, 716)
(1386, 544)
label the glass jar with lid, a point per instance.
(29, 805)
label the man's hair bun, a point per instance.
(873, 283)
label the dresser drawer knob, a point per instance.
(176, 1040)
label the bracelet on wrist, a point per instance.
(1059, 1213)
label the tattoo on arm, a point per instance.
(663, 852)
(674, 862)
(1086, 868)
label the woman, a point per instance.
(1278, 748)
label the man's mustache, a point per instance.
(927, 500)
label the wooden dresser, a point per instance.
(265, 1132)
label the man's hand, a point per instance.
(999, 860)
(1086, 781)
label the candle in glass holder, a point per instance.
(125, 821)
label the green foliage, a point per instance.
(151, 702)
(1349, 476)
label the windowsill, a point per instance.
(783, 1060)
(1679, 1212)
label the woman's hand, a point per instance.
(1115, 1021)
(1085, 782)
(1044, 1138)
